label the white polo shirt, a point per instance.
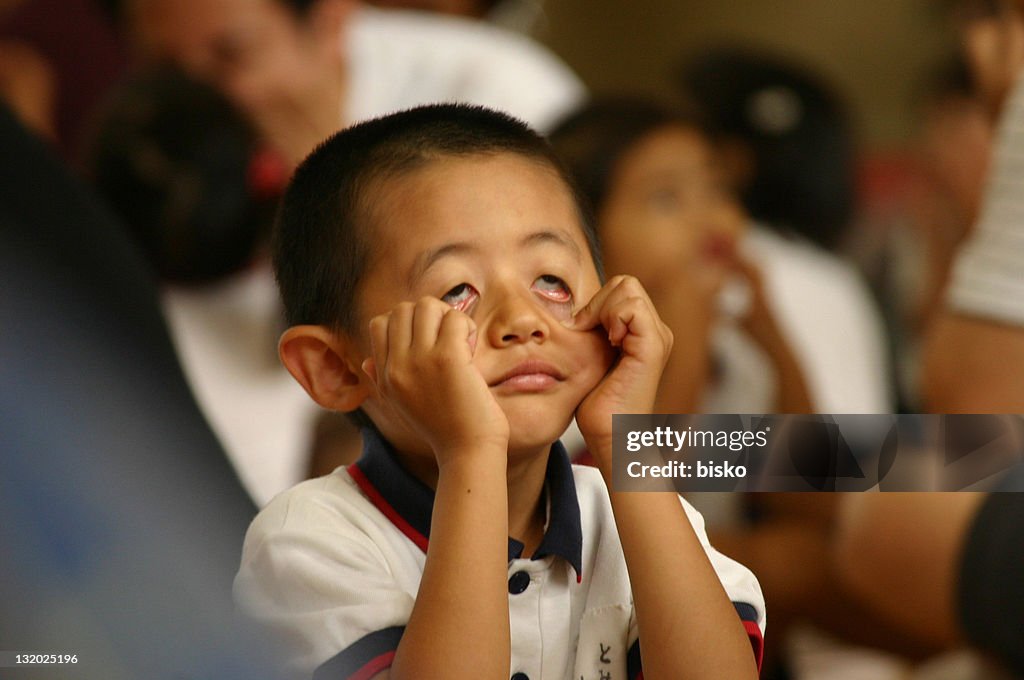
(332, 568)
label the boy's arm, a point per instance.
(459, 626)
(688, 627)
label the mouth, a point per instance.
(529, 376)
(719, 248)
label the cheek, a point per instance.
(560, 310)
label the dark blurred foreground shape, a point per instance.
(122, 519)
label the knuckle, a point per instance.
(618, 279)
(629, 281)
(443, 361)
(634, 303)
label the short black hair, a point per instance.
(321, 242)
(592, 140)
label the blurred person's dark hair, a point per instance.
(185, 171)
(118, 9)
(795, 130)
(114, 9)
(975, 10)
(592, 141)
(950, 78)
(299, 6)
(474, 8)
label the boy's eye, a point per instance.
(553, 288)
(461, 296)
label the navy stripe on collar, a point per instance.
(408, 502)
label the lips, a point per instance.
(529, 376)
(719, 248)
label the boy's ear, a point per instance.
(325, 365)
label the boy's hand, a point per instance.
(757, 318)
(422, 367)
(628, 316)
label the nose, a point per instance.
(517, 319)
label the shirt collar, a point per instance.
(408, 502)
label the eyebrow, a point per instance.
(557, 237)
(431, 257)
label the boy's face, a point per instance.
(499, 238)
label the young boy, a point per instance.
(440, 279)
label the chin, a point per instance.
(533, 428)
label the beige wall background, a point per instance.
(875, 52)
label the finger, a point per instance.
(629, 311)
(626, 316)
(426, 322)
(747, 269)
(756, 293)
(378, 333)
(400, 331)
(588, 316)
(457, 330)
(369, 367)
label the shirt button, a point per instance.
(520, 676)
(519, 582)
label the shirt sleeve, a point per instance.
(322, 588)
(986, 279)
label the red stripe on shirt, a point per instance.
(378, 500)
(756, 641)
(373, 666)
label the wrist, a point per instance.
(471, 456)
(600, 449)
